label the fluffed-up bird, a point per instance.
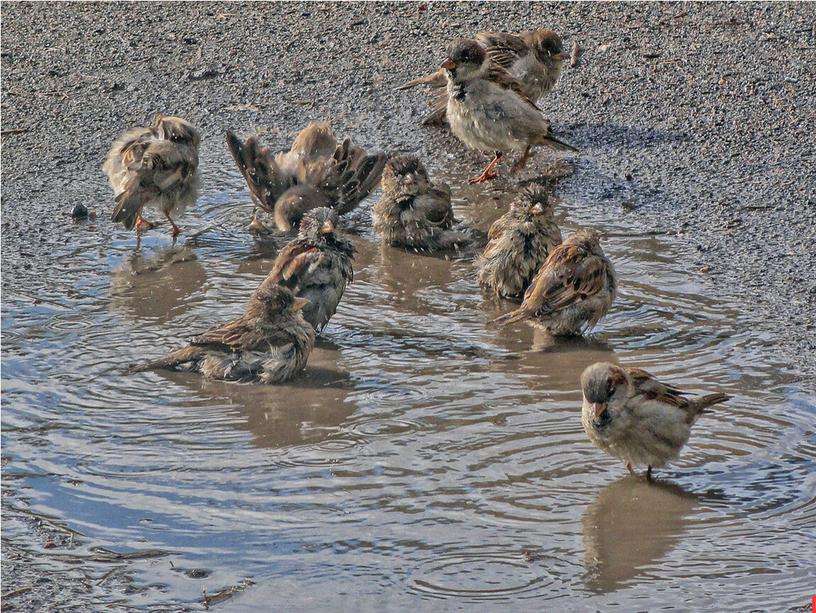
(154, 166)
(488, 110)
(315, 172)
(632, 416)
(413, 212)
(269, 343)
(534, 59)
(519, 243)
(572, 290)
(317, 265)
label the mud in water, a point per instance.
(426, 460)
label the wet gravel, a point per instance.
(694, 120)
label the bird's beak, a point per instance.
(537, 209)
(299, 303)
(559, 57)
(327, 227)
(598, 408)
(449, 64)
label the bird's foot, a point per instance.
(487, 175)
(143, 224)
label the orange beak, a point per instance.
(449, 64)
(299, 303)
(598, 408)
(327, 227)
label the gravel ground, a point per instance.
(693, 119)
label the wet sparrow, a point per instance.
(154, 166)
(634, 417)
(315, 172)
(317, 265)
(269, 343)
(572, 290)
(519, 243)
(413, 212)
(534, 59)
(487, 108)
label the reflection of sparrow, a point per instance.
(156, 165)
(634, 417)
(316, 266)
(520, 241)
(534, 59)
(413, 212)
(315, 172)
(572, 291)
(487, 108)
(270, 343)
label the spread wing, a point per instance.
(351, 175)
(502, 48)
(263, 176)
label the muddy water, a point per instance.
(426, 459)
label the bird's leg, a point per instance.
(174, 229)
(649, 474)
(522, 161)
(488, 172)
(629, 466)
(143, 224)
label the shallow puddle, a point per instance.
(427, 459)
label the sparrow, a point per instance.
(487, 108)
(317, 265)
(269, 343)
(572, 290)
(632, 416)
(534, 59)
(519, 243)
(156, 166)
(413, 212)
(315, 172)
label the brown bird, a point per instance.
(154, 166)
(315, 172)
(269, 343)
(519, 243)
(572, 291)
(534, 59)
(413, 212)
(487, 109)
(317, 265)
(632, 416)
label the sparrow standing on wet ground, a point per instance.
(155, 165)
(315, 172)
(413, 212)
(269, 343)
(487, 108)
(519, 243)
(317, 265)
(572, 291)
(534, 59)
(634, 417)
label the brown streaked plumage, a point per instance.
(519, 243)
(413, 212)
(572, 291)
(534, 59)
(317, 265)
(315, 172)
(269, 343)
(633, 416)
(154, 166)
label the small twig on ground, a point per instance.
(576, 50)
(18, 591)
(13, 131)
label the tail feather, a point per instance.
(511, 317)
(436, 79)
(129, 206)
(172, 360)
(558, 145)
(710, 400)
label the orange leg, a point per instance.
(629, 466)
(522, 161)
(488, 172)
(174, 230)
(143, 224)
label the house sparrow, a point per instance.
(519, 243)
(269, 343)
(413, 212)
(316, 265)
(487, 108)
(155, 165)
(534, 59)
(634, 417)
(315, 172)
(572, 291)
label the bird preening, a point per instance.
(486, 90)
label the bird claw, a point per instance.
(487, 175)
(143, 224)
